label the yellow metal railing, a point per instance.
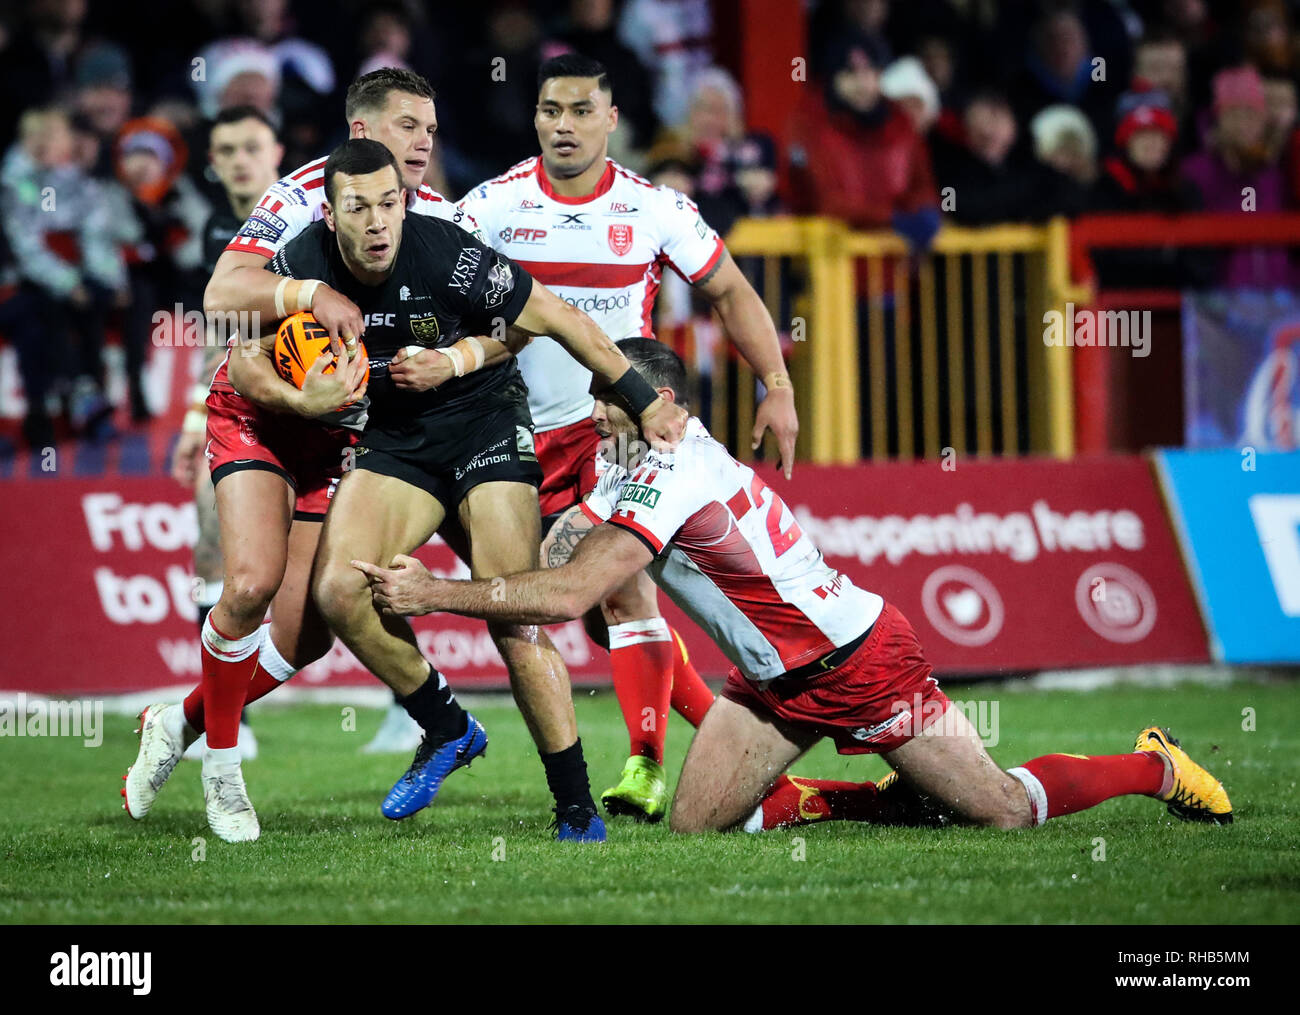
(941, 375)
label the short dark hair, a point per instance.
(658, 364)
(370, 91)
(237, 114)
(574, 65)
(354, 157)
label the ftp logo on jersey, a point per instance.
(522, 235)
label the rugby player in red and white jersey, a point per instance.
(814, 655)
(600, 237)
(274, 465)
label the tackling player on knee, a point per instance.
(814, 655)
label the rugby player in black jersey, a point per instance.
(430, 450)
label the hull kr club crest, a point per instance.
(620, 238)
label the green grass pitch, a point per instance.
(482, 854)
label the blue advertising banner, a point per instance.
(1241, 369)
(1237, 514)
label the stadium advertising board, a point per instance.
(1005, 565)
(107, 606)
(1237, 513)
(1001, 566)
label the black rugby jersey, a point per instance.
(444, 285)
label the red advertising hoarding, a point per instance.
(1013, 564)
(1000, 565)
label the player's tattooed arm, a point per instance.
(749, 326)
(564, 537)
(604, 560)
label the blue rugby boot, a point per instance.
(415, 790)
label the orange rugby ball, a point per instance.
(299, 340)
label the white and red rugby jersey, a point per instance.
(603, 253)
(293, 202)
(729, 552)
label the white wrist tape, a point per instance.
(476, 350)
(457, 360)
(306, 291)
(280, 310)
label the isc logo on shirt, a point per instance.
(379, 320)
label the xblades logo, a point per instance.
(572, 221)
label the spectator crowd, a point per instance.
(913, 113)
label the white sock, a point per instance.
(231, 650)
(637, 632)
(220, 758)
(269, 658)
(754, 823)
(1034, 788)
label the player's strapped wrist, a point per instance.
(466, 356)
(295, 293)
(635, 391)
(777, 379)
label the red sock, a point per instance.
(272, 671)
(1064, 783)
(260, 686)
(691, 696)
(228, 666)
(641, 663)
(796, 801)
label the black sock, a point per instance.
(436, 710)
(566, 774)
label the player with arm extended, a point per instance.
(245, 156)
(814, 655)
(462, 449)
(600, 236)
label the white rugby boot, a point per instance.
(230, 813)
(162, 742)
